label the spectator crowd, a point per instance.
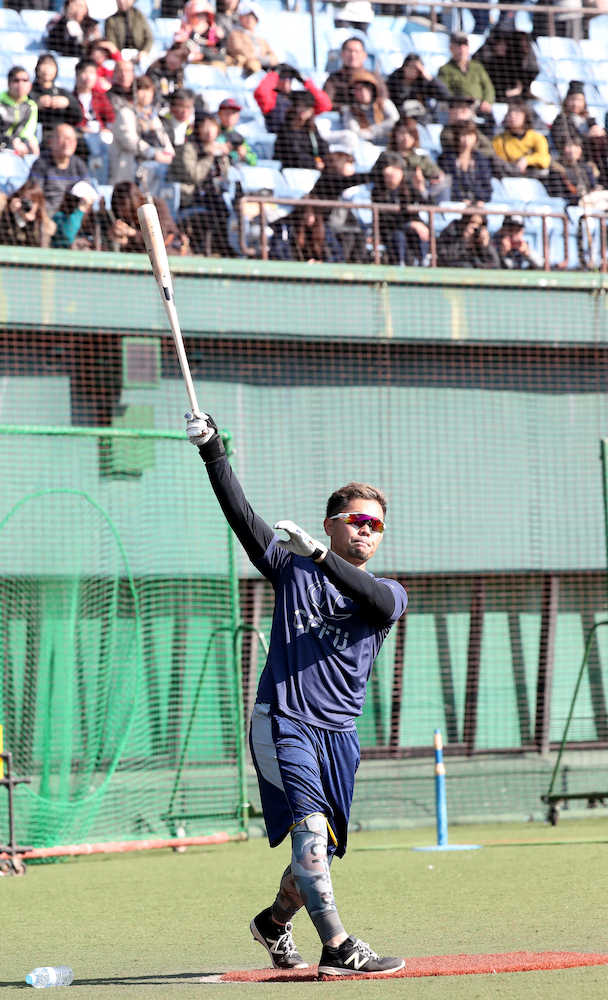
(129, 129)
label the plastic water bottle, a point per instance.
(47, 975)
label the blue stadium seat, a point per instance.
(299, 180)
(16, 42)
(432, 42)
(254, 179)
(524, 190)
(164, 29)
(598, 28)
(557, 48)
(105, 194)
(35, 21)
(573, 69)
(66, 71)
(545, 90)
(10, 20)
(14, 170)
(199, 76)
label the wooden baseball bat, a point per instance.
(157, 252)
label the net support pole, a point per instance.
(441, 808)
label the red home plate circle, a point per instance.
(432, 965)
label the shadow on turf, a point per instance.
(158, 980)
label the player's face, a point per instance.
(355, 543)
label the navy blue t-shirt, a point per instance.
(321, 648)
(323, 643)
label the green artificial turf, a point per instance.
(147, 925)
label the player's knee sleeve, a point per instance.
(310, 869)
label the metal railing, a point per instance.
(431, 210)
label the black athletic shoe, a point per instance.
(354, 956)
(277, 941)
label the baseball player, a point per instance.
(330, 619)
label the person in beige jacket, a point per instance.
(246, 48)
(140, 141)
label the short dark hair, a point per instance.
(353, 38)
(83, 64)
(12, 73)
(354, 491)
(182, 94)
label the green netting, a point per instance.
(115, 599)
(476, 400)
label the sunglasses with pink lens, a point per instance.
(352, 517)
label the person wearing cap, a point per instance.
(244, 47)
(228, 115)
(525, 149)
(465, 76)
(129, 30)
(425, 177)
(68, 219)
(509, 59)
(513, 250)
(273, 95)
(198, 32)
(412, 82)
(58, 168)
(338, 85)
(576, 123)
(404, 235)
(369, 116)
(356, 14)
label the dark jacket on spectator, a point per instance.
(58, 38)
(468, 185)
(50, 117)
(300, 147)
(129, 29)
(400, 89)
(452, 251)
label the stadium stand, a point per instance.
(387, 42)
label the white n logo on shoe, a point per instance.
(357, 959)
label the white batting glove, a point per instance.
(300, 542)
(199, 429)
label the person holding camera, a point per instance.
(125, 231)
(24, 221)
(273, 95)
(466, 242)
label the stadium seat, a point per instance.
(10, 20)
(290, 35)
(299, 180)
(573, 69)
(35, 21)
(255, 179)
(598, 29)
(544, 90)
(524, 190)
(16, 41)
(66, 71)
(198, 77)
(164, 29)
(14, 170)
(429, 135)
(557, 48)
(105, 194)
(433, 42)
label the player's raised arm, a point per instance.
(251, 530)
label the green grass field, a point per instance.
(147, 925)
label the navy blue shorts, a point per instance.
(303, 769)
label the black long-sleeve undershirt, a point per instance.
(375, 599)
